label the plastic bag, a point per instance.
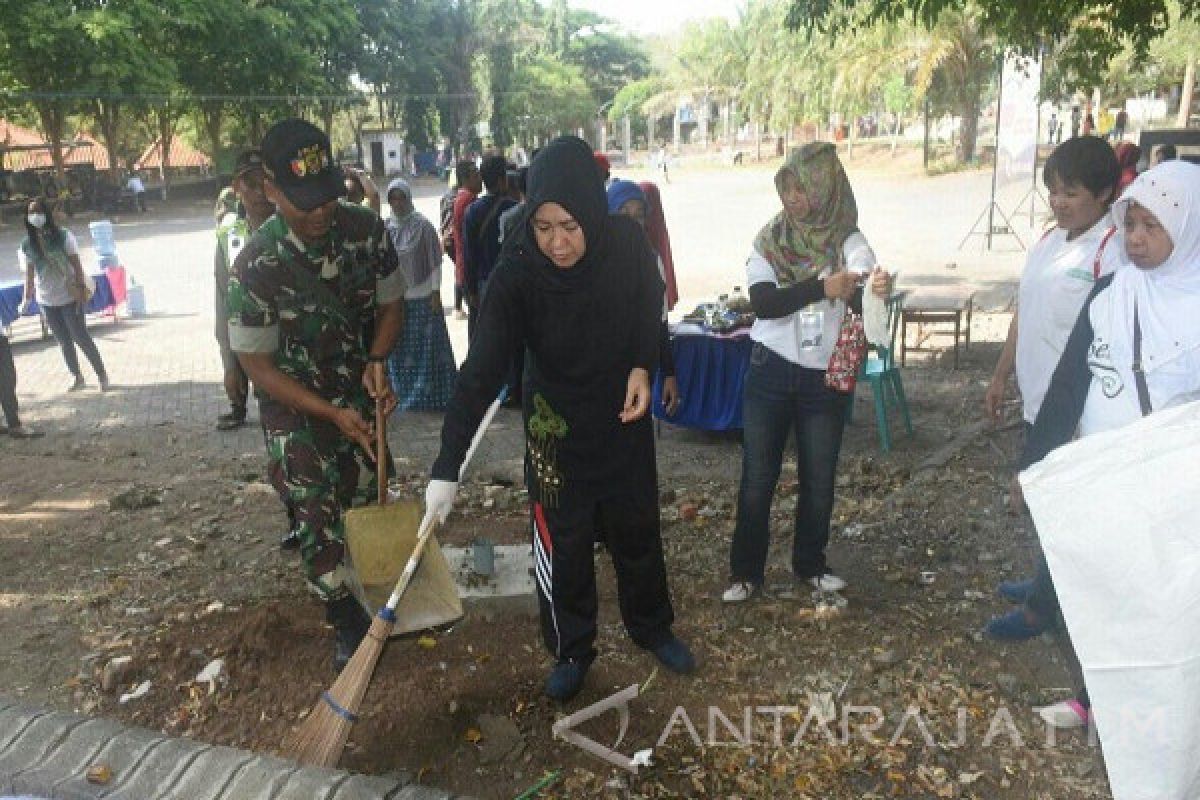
(1117, 516)
(875, 316)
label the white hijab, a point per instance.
(1167, 297)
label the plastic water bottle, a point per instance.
(740, 301)
(103, 239)
(135, 299)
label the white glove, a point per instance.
(439, 499)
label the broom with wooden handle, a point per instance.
(320, 739)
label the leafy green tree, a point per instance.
(47, 62)
(609, 58)
(130, 34)
(544, 77)
(1026, 24)
(965, 59)
(631, 100)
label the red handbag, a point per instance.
(848, 353)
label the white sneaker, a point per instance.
(827, 582)
(739, 592)
(1065, 715)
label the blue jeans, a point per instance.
(782, 397)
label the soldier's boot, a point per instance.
(350, 624)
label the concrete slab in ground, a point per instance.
(511, 586)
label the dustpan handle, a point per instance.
(426, 528)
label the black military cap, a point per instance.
(298, 159)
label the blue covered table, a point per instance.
(711, 371)
(10, 300)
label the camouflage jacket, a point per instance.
(274, 310)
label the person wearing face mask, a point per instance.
(579, 290)
(1134, 350)
(807, 268)
(49, 257)
(300, 294)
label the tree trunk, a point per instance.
(327, 116)
(895, 134)
(969, 109)
(108, 117)
(166, 136)
(1185, 93)
(214, 116)
(256, 127)
(53, 119)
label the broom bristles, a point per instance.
(320, 739)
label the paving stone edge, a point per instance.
(47, 754)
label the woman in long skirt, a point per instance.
(421, 367)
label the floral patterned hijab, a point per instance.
(800, 249)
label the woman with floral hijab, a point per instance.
(808, 265)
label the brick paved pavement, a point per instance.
(167, 371)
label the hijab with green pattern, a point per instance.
(799, 249)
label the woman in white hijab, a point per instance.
(421, 367)
(1135, 348)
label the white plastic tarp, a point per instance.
(1118, 514)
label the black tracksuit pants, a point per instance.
(563, 538)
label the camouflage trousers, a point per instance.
(320, 474)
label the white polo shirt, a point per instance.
(1057, 279)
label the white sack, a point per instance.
(1118, 514)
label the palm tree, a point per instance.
(958, 53)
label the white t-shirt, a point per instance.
(783, 335)
(51, 285)
(135, 185)
(1058, 277)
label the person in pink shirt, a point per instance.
(470, 184)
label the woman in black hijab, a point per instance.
(580, 291)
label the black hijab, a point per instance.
(564, 172)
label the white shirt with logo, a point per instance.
(783, 335)
(1057, 279)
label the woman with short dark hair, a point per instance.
(1081, 175)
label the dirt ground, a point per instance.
(192, 573)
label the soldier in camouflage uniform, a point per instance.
(308, 284)
(252, 209)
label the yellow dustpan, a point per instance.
(380, 539)
(380, 543)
